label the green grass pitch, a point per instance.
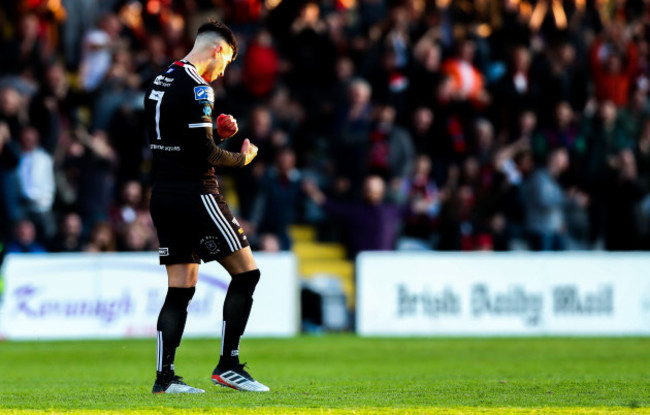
(337, 374)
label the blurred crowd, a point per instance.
(386, 124)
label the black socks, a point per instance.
(171, 323)
(236, 310)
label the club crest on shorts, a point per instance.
(163, 251)
(210, 245)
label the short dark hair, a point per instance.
(223, 31)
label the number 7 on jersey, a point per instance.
(157, 96)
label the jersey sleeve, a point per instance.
(201, 107)
(201, 129)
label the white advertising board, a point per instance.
(474, 294)
(65, 296)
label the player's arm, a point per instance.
(201, 131)
(219, 157)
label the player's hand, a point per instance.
(226, 126)
(249, 150)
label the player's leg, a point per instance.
(238, 303)
(173, 215)
(182, 280)
(236, 310)
(224, 241)
(173, 315)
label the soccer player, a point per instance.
(191, 217)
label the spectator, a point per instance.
(9, 186)
(483, 141)
(338, 92)
(623, 194)
(98, 46)
(277, 204)
(390, 153)
(545, 201)
(54, 108)
(80, 16)
(606, 139)
(102, 239)
(312, 56)
(421, 200)
(130, 208)
(261, 65)
(425, 75)
(642, 159)
(259, 129)
(631, 116)
(268, 243)
(614, 64)
(561, 77)
(25, 50)
(135, 237)
(24, 240)
(351, 131)
(466, 81)
(68, 237)
(90, 162)
(517, 90)
(565, 132)
(153, 61)
(13, 110)
(526, 127)
(370, 225)
(36, 178)
(390, 82)
(457, 215)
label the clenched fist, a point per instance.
(226, 126)
(249, 150)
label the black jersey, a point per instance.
(178, 110)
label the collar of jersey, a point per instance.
(184, 62)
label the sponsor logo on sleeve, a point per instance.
(207, 110)
(163, 251)
(203, 93)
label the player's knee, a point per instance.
(179, 296)
(247, 280)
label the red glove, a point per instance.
(226, 126)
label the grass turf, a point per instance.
(338, 374)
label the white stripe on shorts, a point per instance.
(233, 233)
(213, 211)
(225, 222)
(208, 207)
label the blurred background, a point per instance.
(408, 125)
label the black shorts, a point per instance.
(194, 227)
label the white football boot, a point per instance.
(237, 378)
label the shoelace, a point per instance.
(178, 379)
(244, 372)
